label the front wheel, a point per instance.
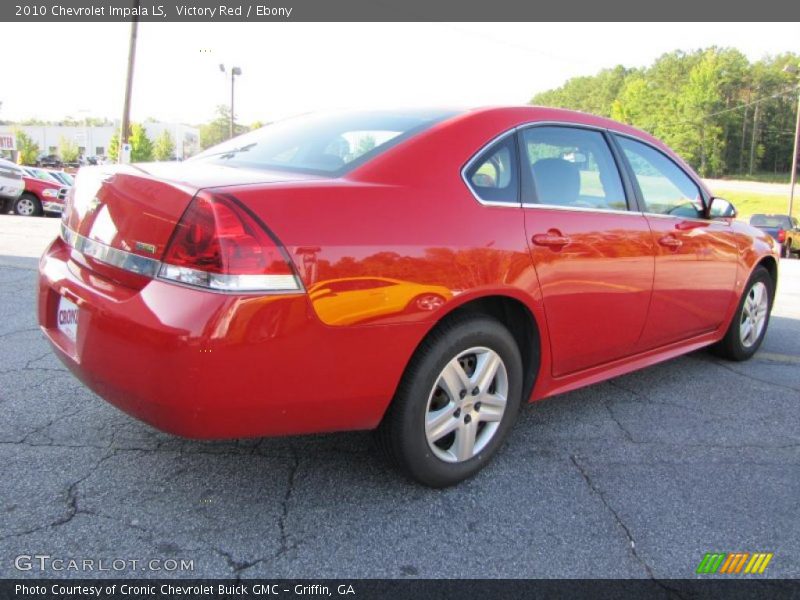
(28, 205)
(749, 324)
(456, 403)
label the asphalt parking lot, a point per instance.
(636, 477)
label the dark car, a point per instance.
(783, 228)
(49, 161)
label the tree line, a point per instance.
(143, 149)
(722, 113)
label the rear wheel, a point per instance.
(749, 324)
(28, 205)
(456, 403)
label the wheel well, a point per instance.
(520, 323)
(771, 265)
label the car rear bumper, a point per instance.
(209, 365)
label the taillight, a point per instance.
(781, 235)
(219, 246)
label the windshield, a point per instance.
(325, 144)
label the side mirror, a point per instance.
(719, 208)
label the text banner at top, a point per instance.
(401, 10)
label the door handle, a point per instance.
(552, 239)
(670, 241)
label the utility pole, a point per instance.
(126, 110)
(793, 179)
(753, 139)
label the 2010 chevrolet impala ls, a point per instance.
(421, 273)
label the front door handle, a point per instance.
(670, 241)
(552, 239)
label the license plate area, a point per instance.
(67, 317)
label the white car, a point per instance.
(11, 184)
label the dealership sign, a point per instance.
(8, 141)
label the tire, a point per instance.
(428, 402)
(28, 205)
(736, 345)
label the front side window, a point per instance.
(324, 144)
(573, 167)
(666, 189)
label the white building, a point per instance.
(94, 141)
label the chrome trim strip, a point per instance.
(602, 211)
(103, 253)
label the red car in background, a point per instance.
(211, 298)
(41, 196)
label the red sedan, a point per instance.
(421, 273)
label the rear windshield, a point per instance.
(770, 221)
(325, 144)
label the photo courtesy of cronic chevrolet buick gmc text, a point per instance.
(421, 273)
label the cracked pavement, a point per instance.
(635, 477)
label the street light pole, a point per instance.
(233, 79)
(234, 72)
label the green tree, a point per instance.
(67, 150)
(164, 148)
(27, 148)
(722, 113)
(141, 145)
(218, 129)
(113, 147)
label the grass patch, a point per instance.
(750, 203)
(765, 177)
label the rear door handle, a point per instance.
(552, 239)
(670, 241)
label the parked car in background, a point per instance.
(418, 272)
(51, 161)
(40, 197)
(38, 173)
(11, 184)
(783, 228)
(61, 176)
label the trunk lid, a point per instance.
(135, 208)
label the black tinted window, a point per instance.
(327, 144)
(573, 167)
(493, 175)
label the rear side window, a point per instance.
(324, 144)
(573, 167)
(665, 188)
(493, 176)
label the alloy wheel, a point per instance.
(25, 207)
(754, 314)
(466, 405)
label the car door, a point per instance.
(592, 254)
(696, 258)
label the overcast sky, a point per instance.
(290, 68)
